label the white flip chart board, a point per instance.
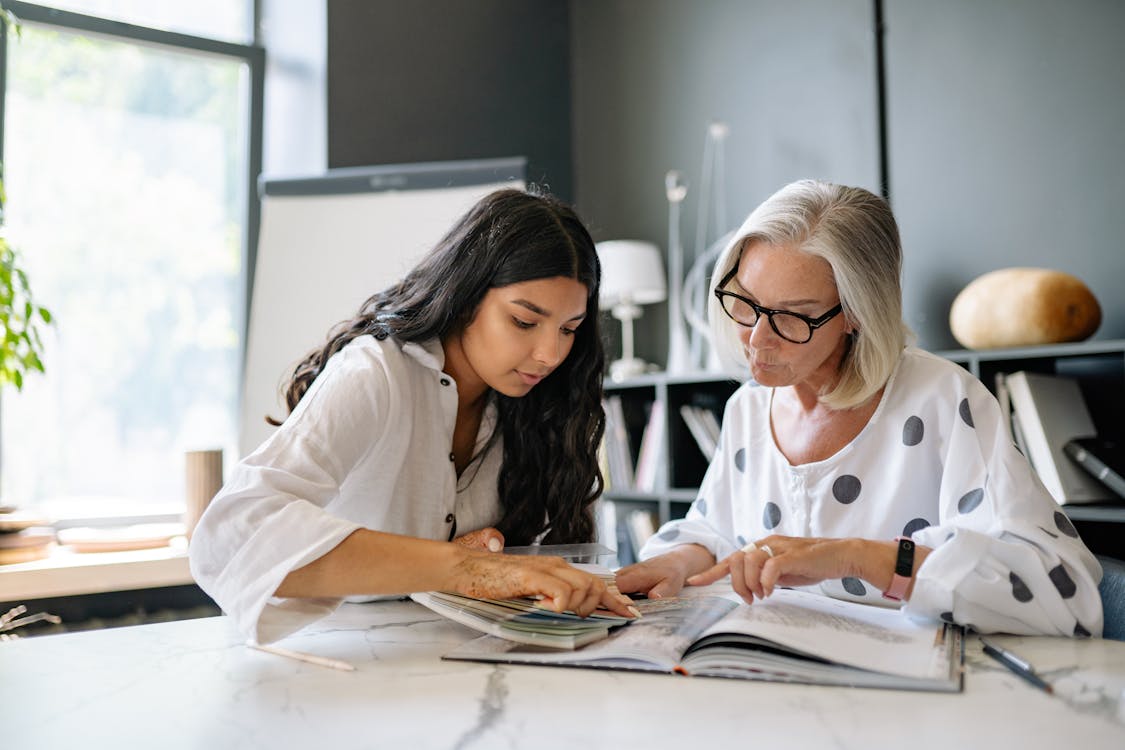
(328, 243)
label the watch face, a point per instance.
(904, 564)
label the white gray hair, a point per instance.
(855, 231)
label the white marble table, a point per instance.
(192, 684)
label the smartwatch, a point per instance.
(904, 569)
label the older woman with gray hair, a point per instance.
(854, 462)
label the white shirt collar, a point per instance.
(428, 353)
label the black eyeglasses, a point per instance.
(793, 327)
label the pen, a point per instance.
(1017, 665)
(300, 656)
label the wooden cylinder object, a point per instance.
(203, 479)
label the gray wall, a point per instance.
(1006, 117)
(795, 82)
(430, 80)
(1007, 147)
(1006, 128)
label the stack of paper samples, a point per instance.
(525, 620)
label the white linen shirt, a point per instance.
(936, 462)
(368, 446)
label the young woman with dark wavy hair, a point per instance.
(459, 410)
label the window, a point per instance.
(129, 162)
(229, 20)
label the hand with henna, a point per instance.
(488, 538)
(562, 587)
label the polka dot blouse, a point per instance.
(935, 462)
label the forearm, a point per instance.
(374, 562)
(875, 562)
(691, 559)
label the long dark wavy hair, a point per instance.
(549, 477)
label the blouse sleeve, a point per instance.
(1005, 557)
(270, 518)
(708, 522)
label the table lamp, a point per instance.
(632, 275)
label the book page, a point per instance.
(849, 633)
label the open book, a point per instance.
(793, 636)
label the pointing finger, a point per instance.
(712, 574)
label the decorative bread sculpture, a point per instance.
(1023, 307)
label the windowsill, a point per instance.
(109, 513)
(68, 573)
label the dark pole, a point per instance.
(881, 99)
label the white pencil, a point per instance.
(321, 661)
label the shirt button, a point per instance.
(449, 518)
(452, 457)
(445, 381)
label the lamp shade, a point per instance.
(632, 273)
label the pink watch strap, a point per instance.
(904, 569)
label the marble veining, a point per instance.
(491, 708)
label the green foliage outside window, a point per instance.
(22, 348)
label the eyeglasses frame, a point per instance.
(813, 323)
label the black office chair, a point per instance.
(1112, 589)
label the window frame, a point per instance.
(252, 54)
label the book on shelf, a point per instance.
(605, 518)
(525, 620)
(652, 442)
(626, 553)
(618, 453)
(697, 424)
(1102, 459)
(603, 465)
(793, 636)
(1005, 401)
(711, 424)
(1049, 410)
(642, 525)
(1008, 416)
(1018, 438)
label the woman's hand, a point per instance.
(802, 561)
(375, 562)
(488, 539)
(665, 574)
(563, 587)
